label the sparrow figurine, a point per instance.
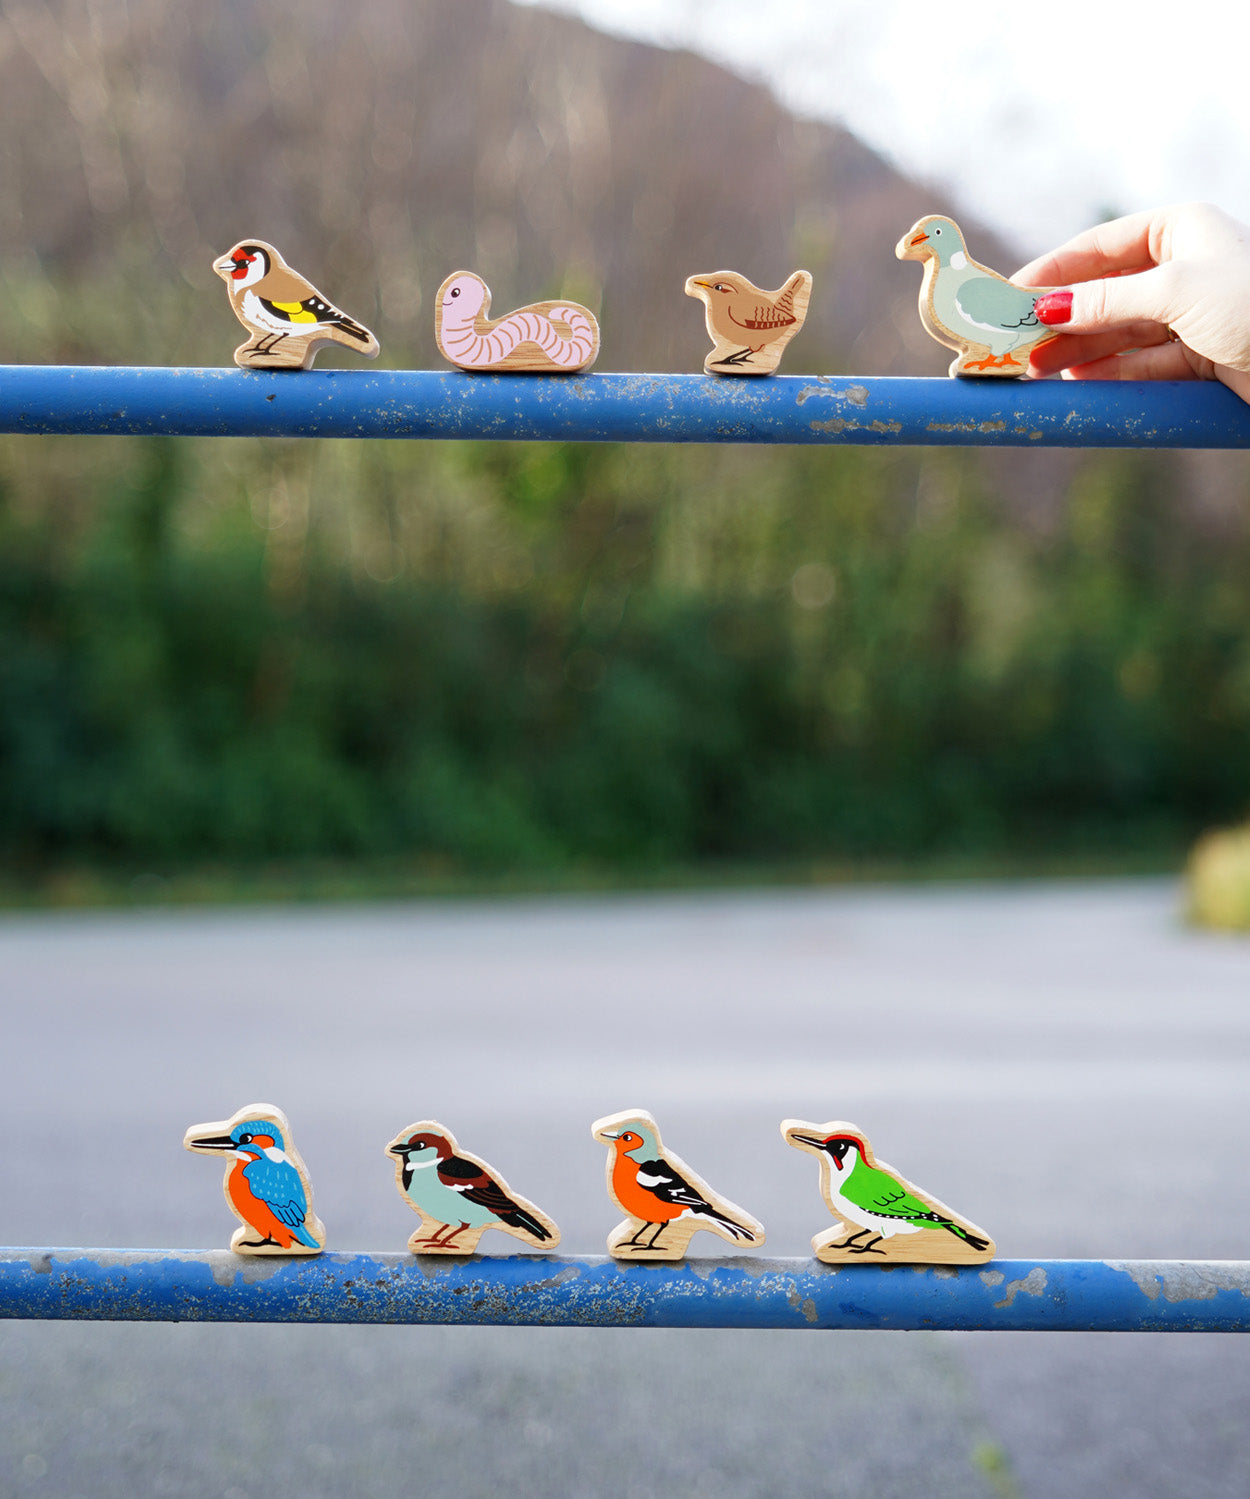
(991, 322)
(287, 317)
(458, 1195)
(266, 1183)
(543, 338)
(749, 328)
(665, 1202)
(884, 1216)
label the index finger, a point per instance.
(1127, 244)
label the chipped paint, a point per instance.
(1185, 1280)
(1032, 1284)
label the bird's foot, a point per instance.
(742, 356)
(868, 1248)
(991, 362)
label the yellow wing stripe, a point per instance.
(296, 312)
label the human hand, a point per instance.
(1163, 295)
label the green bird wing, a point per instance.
(878, 1192)
(997, 305)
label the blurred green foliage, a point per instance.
(540, 656)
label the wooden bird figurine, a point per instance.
(749, 328)
(886, 1216)
(458, 1195)
(266, 1183)
(991, 322)
(287, 317)
(543, 338)
(659, 1191)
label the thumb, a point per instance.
(1095, 306)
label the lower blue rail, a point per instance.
(807, 409)
(160, 1285)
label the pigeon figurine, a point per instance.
(990, 321)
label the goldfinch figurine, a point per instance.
(287, 317)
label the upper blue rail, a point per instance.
(808, 409)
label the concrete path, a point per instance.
(1063, 1063)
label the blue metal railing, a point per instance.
(804, 409)
(534, 1290)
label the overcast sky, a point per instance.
(1039, 119)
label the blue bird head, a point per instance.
(252, 1135)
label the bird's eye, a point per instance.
(937, 231)
(245, 1139)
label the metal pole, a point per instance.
(805, 409)
(161, 1285)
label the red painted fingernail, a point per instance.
(1054, 308)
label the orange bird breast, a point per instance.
(636, 1200)
(255, 1213)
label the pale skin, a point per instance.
(1162, 295)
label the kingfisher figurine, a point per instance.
(459, 1196)
(885, 1216)
(266, 1183)
(665, 1201)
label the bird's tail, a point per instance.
(786, 300)
(354, 335)
(305, 1238)
(738, 1230)
(519, 1218)
(973, 1241)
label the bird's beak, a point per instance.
(919, 239)
(209, 1142)
(608, 1134)
(398, 1148)
(224, 266)
(808, 1140)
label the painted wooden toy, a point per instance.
(887, 1217)
(543, 338)
(966, 306)
(458, 1195)
(287, 317)
(266, 1183)
(659, 1191)
(749, 328)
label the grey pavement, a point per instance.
(1064, 1063)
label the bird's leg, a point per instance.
(741, 357)
(858, 1234)
(454, 1234)
(868, 1248)
(642, 1228)
(659, 1228)
(441, 1234)
(269, 343)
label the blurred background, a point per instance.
(282, 667)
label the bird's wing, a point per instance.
(992, 303)
(315, 310)
(659, 1178)
(878, 1192)
(278, 1185)
(475, 1185)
